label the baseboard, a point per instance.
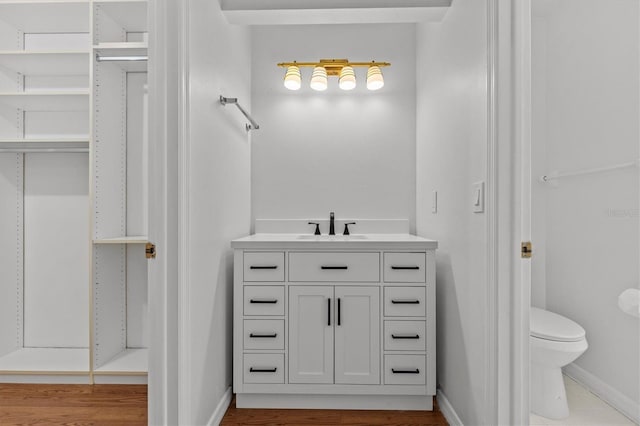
(611, 396)
(447, 409)
(221, 408)
(334, 402)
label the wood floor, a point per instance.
(117, 405)
(120, 405)
(245, 416)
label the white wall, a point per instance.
(538, 157)
(348, 152)
(587, 104)
(219, 198)
(451, 155)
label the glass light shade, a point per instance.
(375, 80)
(292, 79)
(319, 79)
(347, 79)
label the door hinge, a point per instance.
(150, 251)
(526, 250)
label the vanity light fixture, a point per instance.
(374, 78)
(341, 68)
(347, 79)
(292, 79)
(319, 79)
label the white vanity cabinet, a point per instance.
(334, 322)
(334, 334)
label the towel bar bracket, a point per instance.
(234, 101)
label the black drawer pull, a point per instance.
(405, 336)
(405, 267)
(263, 301)
(394, 371)
(264, 267)
(263, 370)
(334, 267)
(272, 336)
(405, 302)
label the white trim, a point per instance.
(342, 15)
(522, 160)
(521, 69)
(334, 401)
(491, 383)
(447, 409)
(166, 31)
(506, 358)
(184, 184)
(610, 395)
(221, 408)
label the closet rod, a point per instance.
(558, 175)
(101, 58)
(234, 101)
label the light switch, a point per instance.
(434, 202)
(478, 197)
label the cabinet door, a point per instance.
(357, 335)
(311, 334)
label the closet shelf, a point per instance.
(131, 15)
(128, 361)
(58, 360)
(46, 16)
(45, 141)
(137, 239)
(33, 145)
(47, 101)
(122, 45)
(46, 62)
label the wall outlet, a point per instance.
(478, 197)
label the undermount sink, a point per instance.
(332, 237)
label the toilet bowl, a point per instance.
(555, 342)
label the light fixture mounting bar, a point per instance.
(334, 62)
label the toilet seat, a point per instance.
(549, 326)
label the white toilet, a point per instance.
(555, 342)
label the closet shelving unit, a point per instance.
(44, 140)
(119, 187)
(73, 284)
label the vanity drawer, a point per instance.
(334, 267)
(264, 266)
(404, 336)
(264, 334)
(405, 267)
(404, 301)
(404, 370)
(264, 368)
(263, 300)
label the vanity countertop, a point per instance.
(354, 241)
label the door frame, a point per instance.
(508, 277)
(522, 204)
(168, 124)
(508, 213)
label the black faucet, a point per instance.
(332, 229)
